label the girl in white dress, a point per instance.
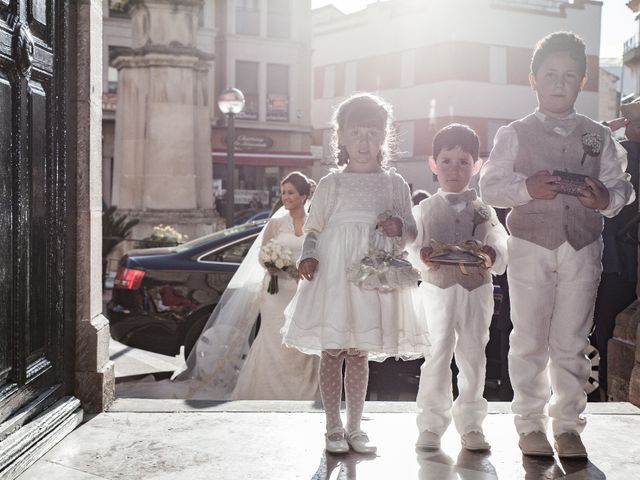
(330, 315)
(273, 371)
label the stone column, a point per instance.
(162, 157)
(623, 354)
(93, 371)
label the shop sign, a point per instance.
(251, 142)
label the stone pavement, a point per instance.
(190, 440)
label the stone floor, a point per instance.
(175, 439)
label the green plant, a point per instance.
(115, 228)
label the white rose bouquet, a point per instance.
(274, 255)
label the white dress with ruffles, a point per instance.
(330, 312)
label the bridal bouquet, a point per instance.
(274, 255)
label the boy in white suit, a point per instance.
(458, 299)
(555, 245)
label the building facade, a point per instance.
(631, 59)
(443, 62)
(262, 47)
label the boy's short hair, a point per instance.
(418, 195)
(560, 42)
(456, 135)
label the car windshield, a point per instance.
(217, 235)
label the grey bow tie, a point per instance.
(463, 197)
(567, 124)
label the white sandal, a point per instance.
(335, 441)
(359, 442)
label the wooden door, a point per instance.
(32, 129)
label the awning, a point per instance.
(265, 159)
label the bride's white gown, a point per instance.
(273, 371)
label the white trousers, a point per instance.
(552, 298)
(458, 321)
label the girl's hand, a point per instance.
(597, 197)
(491, 253)
(425, 256)
(542, 185)
(392, 227)
(307, 268)
(273, 270)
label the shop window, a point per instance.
(278, 19)
(112, 80)
(278, 93)
(405, 139)
(407, 68)
(247, 17)
(247, 81)
(118, 8)
(328, 89)
(498, 65)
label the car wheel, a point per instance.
(194, 332)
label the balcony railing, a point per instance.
(632, 43)
(537, 5)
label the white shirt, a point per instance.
(502, 187)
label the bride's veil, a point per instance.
(217, 357)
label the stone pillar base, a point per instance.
(622, 356)
(95, 375)
(634, 383)
(96, 389)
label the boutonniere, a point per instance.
(481, 214)
(591, 144)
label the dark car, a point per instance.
(162, 297)
(252, 216)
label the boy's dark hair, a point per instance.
(418, 195)
(560, 42)
(456, 135)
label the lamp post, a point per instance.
(230, 102)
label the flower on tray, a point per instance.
(274, 255)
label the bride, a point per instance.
(217, 368)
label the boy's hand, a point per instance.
(425, 256)
(542, 185)
(307, 268)
(492, 255)
(392, 227)
(597, 197)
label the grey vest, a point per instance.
(549, 223)
(443, 224)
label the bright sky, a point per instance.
(618, 22)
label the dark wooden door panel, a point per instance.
(31, 319)
(6, 228)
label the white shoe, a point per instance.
(475, 441)
(335, 442)
(428, 441)
(535, 444)
(569, 445)
(359, 442)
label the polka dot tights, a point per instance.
(356, 380)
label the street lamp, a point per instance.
(230, 102)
